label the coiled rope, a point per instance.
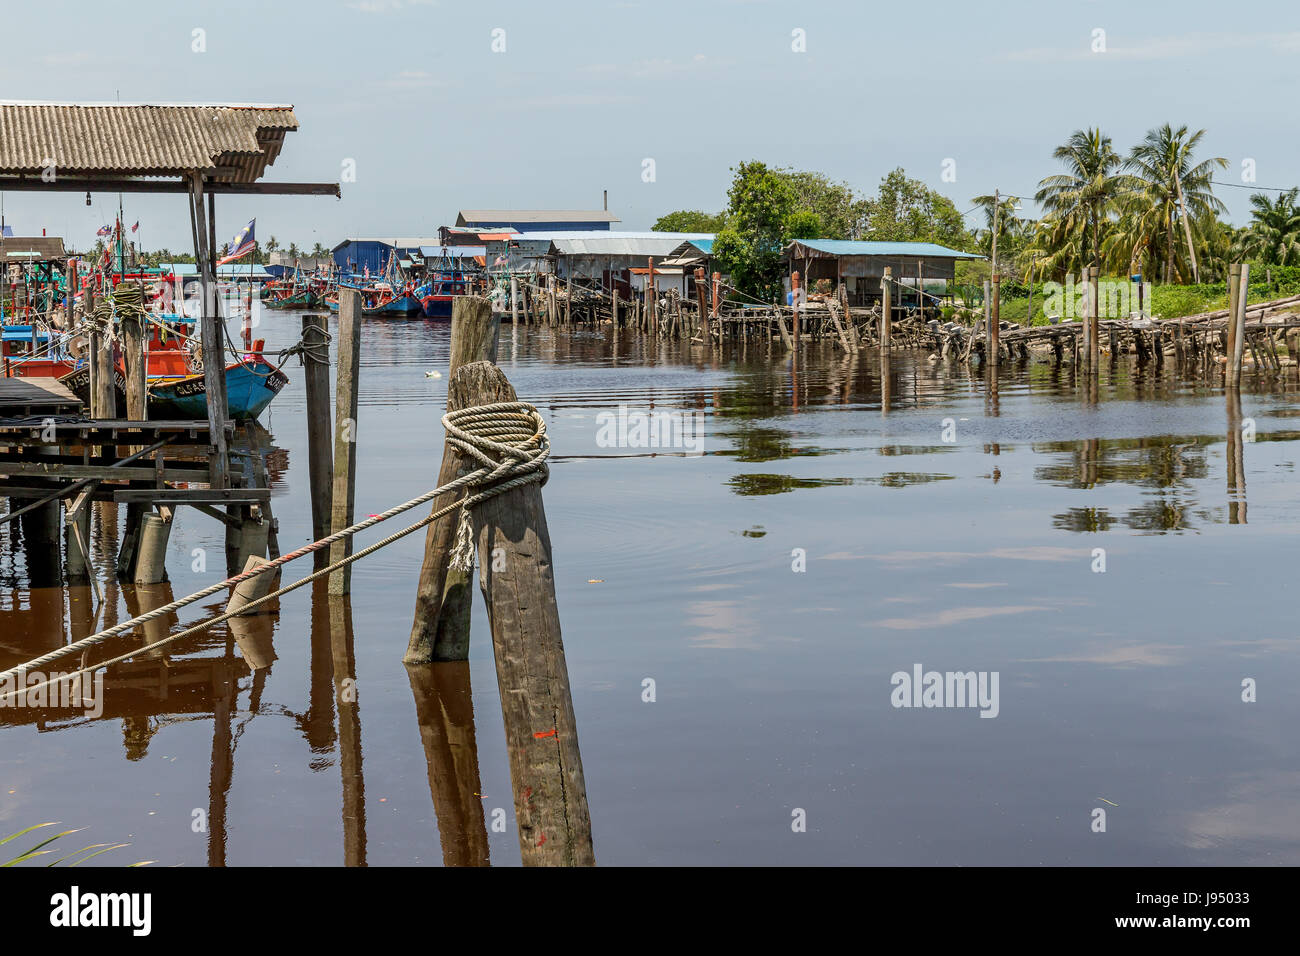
(509, 441)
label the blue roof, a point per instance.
(22, 333)
(857, 247)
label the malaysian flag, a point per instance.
(105, 231)
(241, 245)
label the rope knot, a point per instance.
(508, 440)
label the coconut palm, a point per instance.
(1273, 236)
(1080, 203)
(1166, 195)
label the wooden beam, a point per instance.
(127, 184)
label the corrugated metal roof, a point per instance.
(600, 243)
(856, 247)
(501, 216)
(38, 248)
(142, 139)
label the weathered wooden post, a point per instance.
(995, 311)
(133, 357)
(700, 293)
(515, 574)
(320, 462)
(345, 438)
(886, 295)
(717, 288)
(440, 630)
(1094, 312)
(1237, 326)
(794, 304)
(514, 300)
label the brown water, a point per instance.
(1119, 690)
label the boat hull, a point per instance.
(250, 387)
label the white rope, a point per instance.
(509, 441)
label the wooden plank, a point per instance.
(24, 391)
(59, 470)
(193, 496)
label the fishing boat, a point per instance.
(251, 384)
(436, 294)
(380, 300)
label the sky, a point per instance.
(440, 106)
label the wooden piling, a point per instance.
(700, 293)
(343, 502)
(1094, 310)
(320, 458)
(886, 320)
(994, 313)
(440, 630)
(133, 357)
(550, 793)
(1237, 326)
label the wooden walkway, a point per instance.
(28, 397)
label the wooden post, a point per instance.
(214, 366)
(345, 438)
(1094, 331)
(536, 703)
(794, 305)
(886, 321)
(700, 293)
(320, 458)
(440, 630)
(988, 319)
(514, 300)
(1234, 293)
(650, 296)
(994, 312)
(133, 357)
(717, 288)
(1237, 322)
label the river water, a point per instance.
(739, 610)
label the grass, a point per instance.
(1167, 301)
(39, 850)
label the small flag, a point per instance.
(136, 227)
(241, 245)
(501, 260)
(105, 231)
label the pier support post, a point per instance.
(700, 293)
(343, 504)
(77, 534)
(886, 301)
(994, 313)
(515, 574)
(320, 460)
(1237, 325)
(440, 630)
(1094, 311)
(514, 300)
(151, 553)
(133, 342)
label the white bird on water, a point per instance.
(434, 374)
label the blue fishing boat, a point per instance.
(251, 384)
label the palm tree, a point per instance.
(1273, 236)
(1081, 201)
(1169, 197)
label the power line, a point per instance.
(1271, 189)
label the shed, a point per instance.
(608, 259)
(860, 264)
(358, 255)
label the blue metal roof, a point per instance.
(857, 247)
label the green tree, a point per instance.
(689, 220)
(319, 252)
(1080, 202)
(1158, 170)
(839, 213)
(906, 210)
(1273, 236)
(760, 202)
